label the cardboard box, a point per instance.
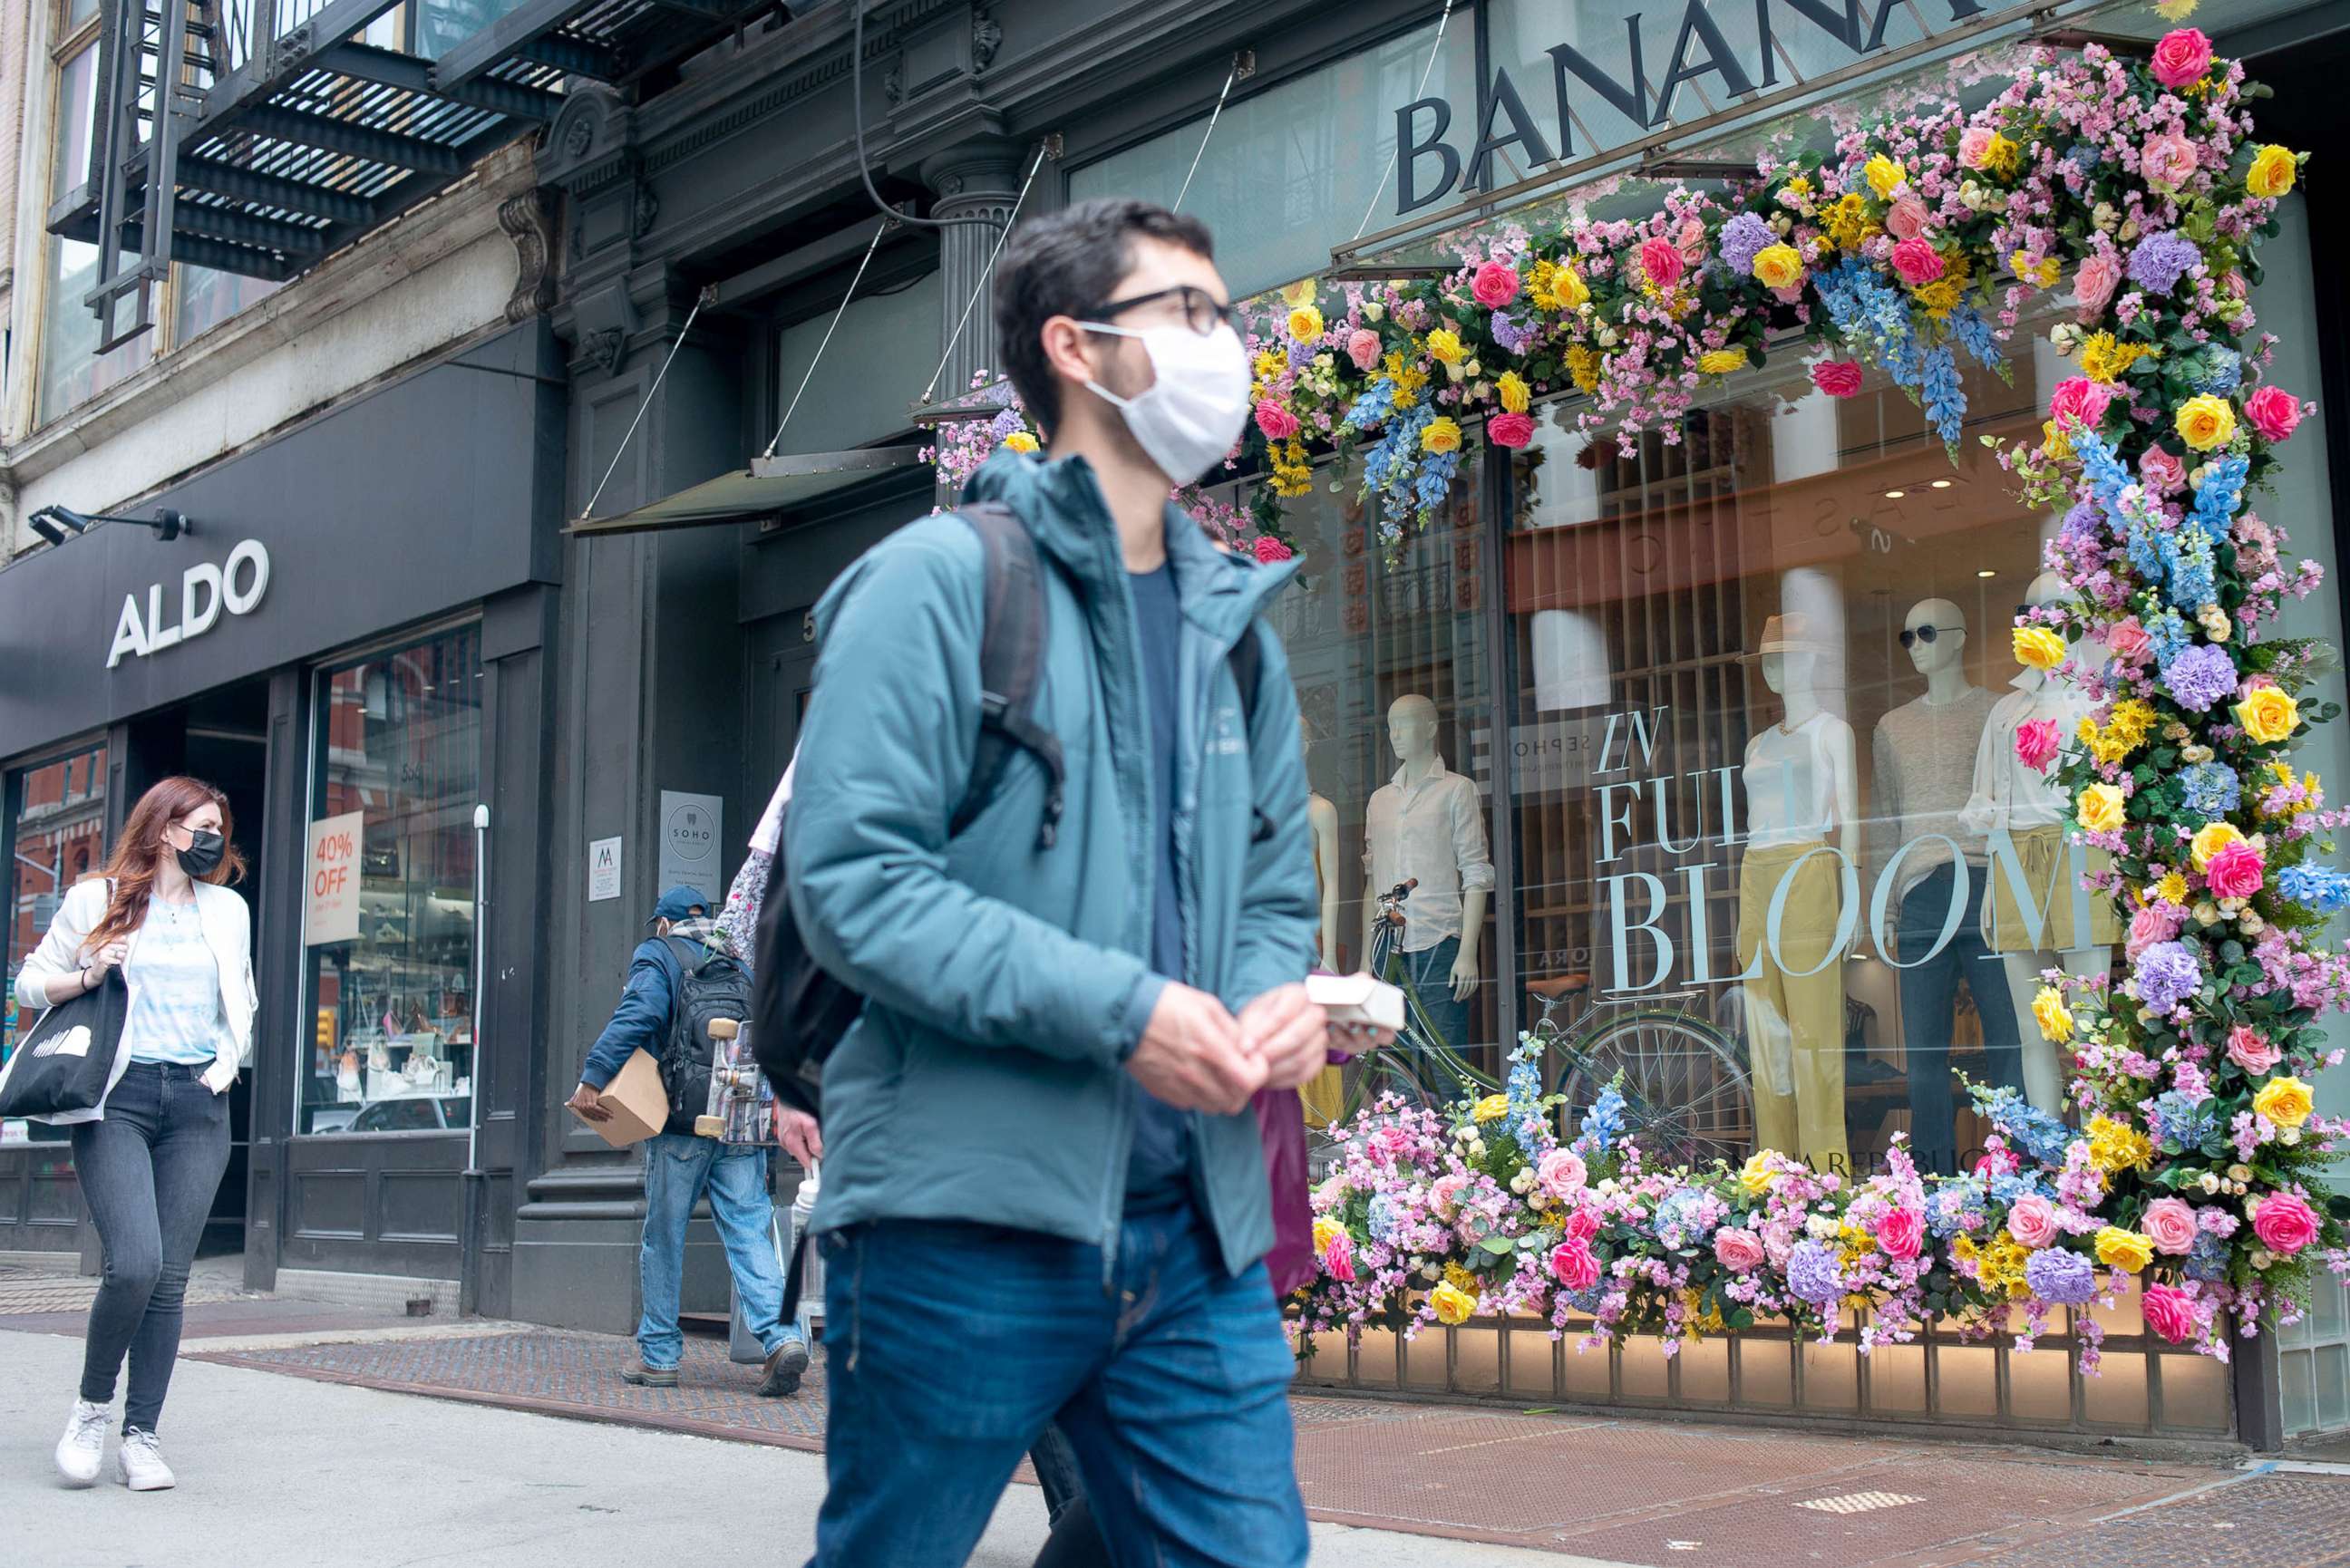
(638, 1101)
(1356, 999)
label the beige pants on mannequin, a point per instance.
(1794, 1021)
(2058, 943)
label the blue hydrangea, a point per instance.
(1380, 1217)
(2007, 1187)
(2066, 1279)
(1587, 1300)
(1813, 1274)
(1678, 1221)
(1604, 1123)
(1946, 398)
(2161, 259)
(2318, 888)
(2034, 1133)
(2201, 678)
(1954, 1205)
(2208, 1258)
(2181, 1125)
(2209, 789)
(2167, 974)
(2221, 371)
(2083, 156)
(1743, 238)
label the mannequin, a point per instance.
(1802, 799)
(1428, 824)
(1922, 772)
(1325, 1096)
(2035, 814)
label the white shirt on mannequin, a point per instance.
(1435, 831)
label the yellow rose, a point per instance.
(1441, 435)
(1779, 266)
(1514, 394)
(2206, 422)
(2039, 647)
(2055, 442)
(2284, 1101)
(2055, 1019)
(1445, 344)
(2212, 838)
(1722, 361)
(1493, 1108)
(1020, 441)
(1305, 324)
(1755, 1176)
(2271, 174)
(1454, 1306)
(2100, 809)
(2268, 714)
(1327, 1230)
(1885, 176)
(1571, 291)
(1298, 293)
(2120, 1249)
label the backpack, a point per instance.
(799, 1013)
(707, 985)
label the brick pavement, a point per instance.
(1623, 1489)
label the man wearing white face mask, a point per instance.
(1044, 1199)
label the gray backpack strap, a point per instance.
(1011, 669)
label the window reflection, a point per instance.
(59, 838)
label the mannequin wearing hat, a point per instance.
(2035, 914)
(1427, 825)
(1803, 828)
(1921, 774)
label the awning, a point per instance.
(770, 486)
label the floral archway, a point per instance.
(2133, 193)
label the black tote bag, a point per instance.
(64, 1064)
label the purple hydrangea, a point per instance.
(2201, 677)
(1511, 334)
(1813, 1274)
(2167, 974)
(2161, 259)
(1743, 238)
(2066, 1279)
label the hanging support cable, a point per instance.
(1243, 65)
(818, 358)
(709, 296)
(987, 273)
(1435, 51)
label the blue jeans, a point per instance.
(1928, 995)
(679, 1168)
(951, 1348)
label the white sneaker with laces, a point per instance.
(141, 1457)
(82, 1453)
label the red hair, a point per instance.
(142, 849)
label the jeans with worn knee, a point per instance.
(1929, 993)
(148, 1171)
(679, 1168)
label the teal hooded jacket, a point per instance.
(1005, 982)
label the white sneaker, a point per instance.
(82, 1453)
(141, 1458)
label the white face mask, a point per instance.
(1192, 412)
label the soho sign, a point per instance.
(235, 585)
(1699, 48)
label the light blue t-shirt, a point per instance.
(176, 1014)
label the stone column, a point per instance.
(979, 179)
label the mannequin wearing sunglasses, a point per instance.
(2035, 914)
(1922, 773)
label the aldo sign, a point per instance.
(234, 586)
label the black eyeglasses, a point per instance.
(1925, 634)
(1202, 312)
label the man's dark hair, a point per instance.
(1067, 263)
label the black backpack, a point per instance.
(707, 985)
(799, 1012)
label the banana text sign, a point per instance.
(207, 590)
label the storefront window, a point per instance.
(390, 974)
(877, 367)
(58, 838)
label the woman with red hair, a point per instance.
(150, 1155)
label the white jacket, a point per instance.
(228, 931)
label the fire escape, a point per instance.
(257, 137)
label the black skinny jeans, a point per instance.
(149, 1173)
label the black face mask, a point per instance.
(203, 853)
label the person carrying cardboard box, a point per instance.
(672, 981)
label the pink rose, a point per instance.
(2169, 1312)
(1974, 145)
(2171, 1225)
(1444, 1194)
(1494, 286)
(2078, 401)
(2236, 871)
(1693, 241)
(1277, 422)
(1740, 1252)
(1917, 262)
(2094, 283)
(1900, 1233)
(1338, 1258)
(2273, 411)
(1562, 1173)
(2035, 743)
(2153, 923)
(1572, 1262)
(1363, 347)
(1270, 551)
(1583, 1224)
(2128, 640)
(2162, 472)
(2252, 1051)
(2168, 160)
(1906, 218)
(2033, 1221)
(1662, 261)
(2182, 57)
(2284, 1223)
(1512, 431)
(1837, 378)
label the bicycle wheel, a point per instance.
(1687, 1097)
